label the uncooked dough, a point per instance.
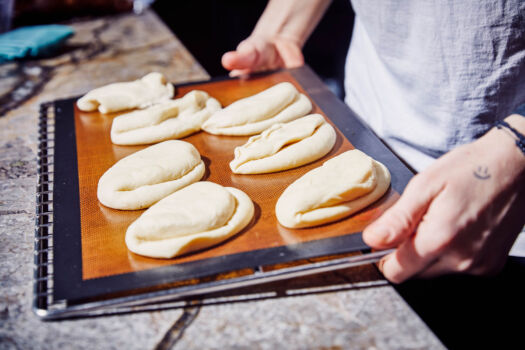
(285, 146)
(145, 177)
(280, 103)
(340, 187)
(141, 93)
(196, 217)
(171, 119)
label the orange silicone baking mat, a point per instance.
(103, 250)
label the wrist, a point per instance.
(279, 29)
(517, 121)
(499, 144)
(291, 20)
(514, 126)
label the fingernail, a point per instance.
(380, 264)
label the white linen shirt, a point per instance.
(429, 75)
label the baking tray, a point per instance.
(81, 261)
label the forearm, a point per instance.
(292, 19)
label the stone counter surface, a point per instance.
(121, 48)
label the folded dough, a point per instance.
(340, 187)
(285, 146)
(196, 217)
(251, 115)
(171, 119)
(147, 176)
(141, 93)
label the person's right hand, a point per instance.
(257, 53)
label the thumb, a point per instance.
(402, 219)
(244, 58)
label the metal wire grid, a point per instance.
(43, 246)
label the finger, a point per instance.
(401, 220)
(431, 244)
(228, 60)
(244, 58)
(404, 263)
(290, 54)
(240, 73)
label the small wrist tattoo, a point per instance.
(481, 173)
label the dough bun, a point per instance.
(141, 93)
(170, 119)
(280, 103)
(145, 177)
(340, 187)
(285, 146)
(198, 216)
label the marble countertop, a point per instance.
(341, 314)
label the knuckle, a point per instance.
(431, 242)
(415, 182)
(402, 219)
(421, 181)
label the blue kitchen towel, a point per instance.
(32, 41)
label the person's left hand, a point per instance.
(461, 215)
(261, 53)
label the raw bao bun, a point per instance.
(196, 217)
(141, 93)
(285, 146)
(340, 187)
(145, 177)
(170, 119)
(251, 115)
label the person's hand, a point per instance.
(461, 215)
(278, 37)
(258, 53)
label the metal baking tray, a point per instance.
(82, 266)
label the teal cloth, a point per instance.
(32, 41)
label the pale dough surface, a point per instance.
(285, 146)
(145, 177)
(340, 187)
(280, 103)
(198, 216)
(170, 119)
(141, 93)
